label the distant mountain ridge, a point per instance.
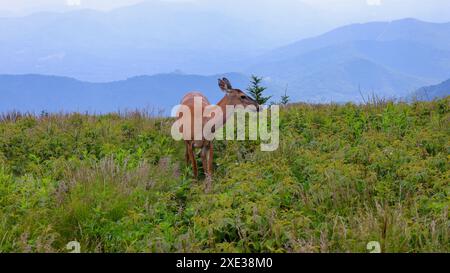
(408, 29)
(36, 93)
(391, 59)
(434, 91)
(143, 39)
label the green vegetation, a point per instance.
(285, 98)
(256, 91)
(344, 175)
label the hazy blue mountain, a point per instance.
(389, 59)
(434, 91)
(144, 39)
(411, 30)
(36, 93)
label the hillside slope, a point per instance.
(344, 175)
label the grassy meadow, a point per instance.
(344, 175)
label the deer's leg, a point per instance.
(210, 159)
(192, 159)
(207, 165)
(187, 152)
(204, 156)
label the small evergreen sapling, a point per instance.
(256, 91)
(285, 98)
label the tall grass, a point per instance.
(344, 175)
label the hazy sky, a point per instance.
(427, 9)
(42, 5)
(292, 19)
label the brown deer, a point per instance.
(233, 97)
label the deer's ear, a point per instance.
(224, 86)
(227, 82)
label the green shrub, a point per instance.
(343, 175)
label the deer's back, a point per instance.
(188, 99)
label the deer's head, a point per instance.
(236, 97)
